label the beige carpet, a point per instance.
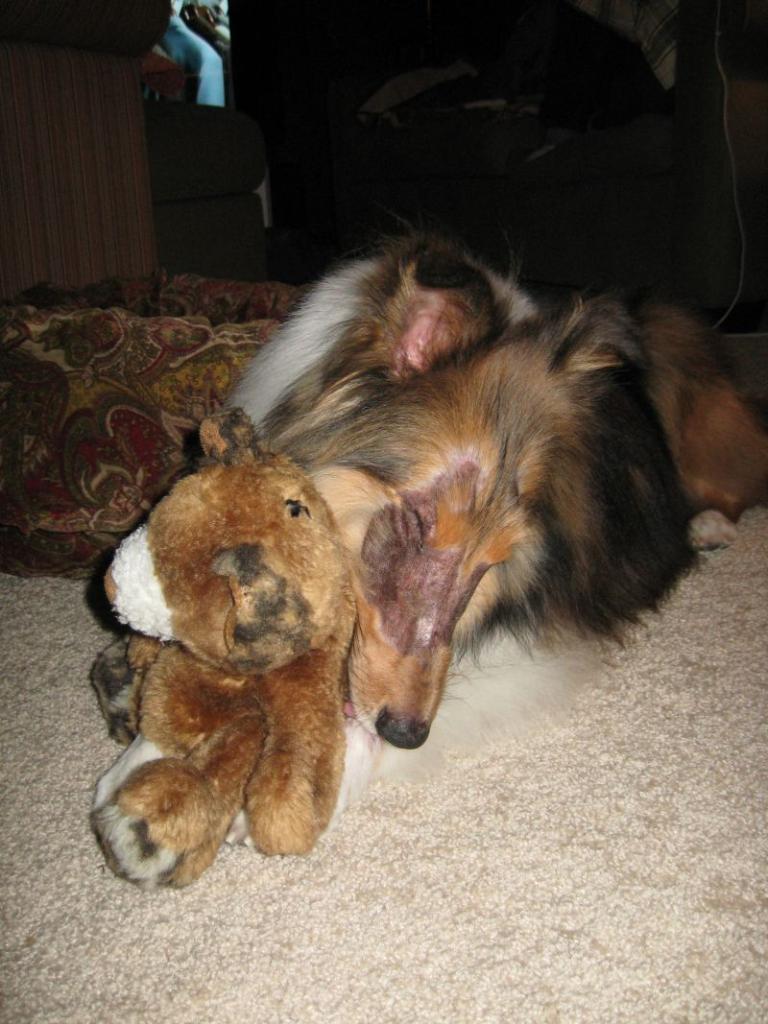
(611, 868)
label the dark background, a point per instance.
(287, 60)
(285, 56)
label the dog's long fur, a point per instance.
(496, 468)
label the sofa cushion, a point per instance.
(639, 149)
(444, 144)
(198, 151)
(101, 405)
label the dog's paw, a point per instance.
(710, 530)
(160, 827)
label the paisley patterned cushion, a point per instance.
(101, 392)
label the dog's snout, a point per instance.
(401, 731)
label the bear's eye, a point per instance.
(296, 508)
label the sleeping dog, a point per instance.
(497, 469)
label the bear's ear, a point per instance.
(229, 437)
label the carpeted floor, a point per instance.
(610, 868)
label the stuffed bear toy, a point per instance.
(238, 591)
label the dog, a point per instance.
(498, 469)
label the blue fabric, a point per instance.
(197, 58)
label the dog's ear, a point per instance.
(594, 335)
(442, 304)
(229, 437)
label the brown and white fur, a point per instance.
(508, 481)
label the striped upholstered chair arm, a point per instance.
(75, 202)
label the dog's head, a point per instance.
(418, 471)
(443, 427)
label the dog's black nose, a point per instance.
(401, 732)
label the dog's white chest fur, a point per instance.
(501, 694)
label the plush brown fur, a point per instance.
(246, 706)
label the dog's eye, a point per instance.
(296, 508)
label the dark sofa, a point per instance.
(205, 165)
(649, 202)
